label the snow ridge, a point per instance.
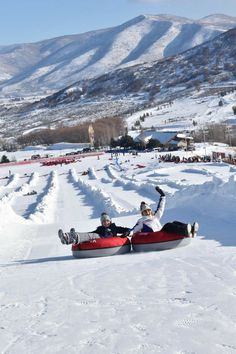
(13, 179)
(25, 188)
(217, 193)
(92, 174)
(45, 209)
(110, 172)
(100, 198)
(55, 63)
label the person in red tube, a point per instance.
(105, 230)
(150, 220)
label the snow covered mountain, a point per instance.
(47, 66)
(205, 70)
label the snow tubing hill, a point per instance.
(157, 241)
(102, 247)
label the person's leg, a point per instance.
(168, 227)
(178, 223)
(68, 238)
(78, 237)
(178, 227)
(64, 237)
(194, 227)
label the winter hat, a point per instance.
(144, 206)
(105, 216)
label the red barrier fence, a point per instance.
(46, 161)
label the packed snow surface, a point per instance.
(179, 301)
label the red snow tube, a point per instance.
(157, 241)
(102, 247)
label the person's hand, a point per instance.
(125, 234)
(160, 191)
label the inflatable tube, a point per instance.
(102, 247)
(157, 241)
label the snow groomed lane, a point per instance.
(157, 302)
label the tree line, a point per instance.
(128, 142)
(216, 132)
(104, 130)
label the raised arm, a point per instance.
(161, 204)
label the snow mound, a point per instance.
(216, 197)
(92, 174)
(45, 210)
(110, 172)
(101, 200)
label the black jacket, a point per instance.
(111, 230)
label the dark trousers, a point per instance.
(176, 227)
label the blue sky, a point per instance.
(24, 21)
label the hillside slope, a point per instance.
(202, 71)
(47, 66)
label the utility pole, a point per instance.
(204, 139)
(229, 134)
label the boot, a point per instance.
(195, 228)
(189, 230)
(63, 237)
(73, 236)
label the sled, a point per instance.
(102, 247)
(158, 241)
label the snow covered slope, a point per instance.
(50, 65)
(177, 301)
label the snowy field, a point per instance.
(180, 301)
(181, 114)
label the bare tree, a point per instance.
(104, 130)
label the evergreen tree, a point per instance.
(4, 159)
(153, 143)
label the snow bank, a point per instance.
(45, 210)
(25, 188)
(146, 189)
(233, 169)
(110, 172)
(199, 171)
(101, 200)
(216, 197)
(8, 217)
(13, 179)
(92, 174)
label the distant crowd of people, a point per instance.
(178, 159)
(231, 160)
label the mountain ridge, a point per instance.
(207, 68)
(47, 66)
